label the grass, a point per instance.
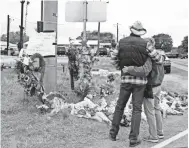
(24, 123)
(24, 126)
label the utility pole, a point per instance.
(26, 14)
(117, 28)
(117, 33)
(98, 35)
(41, 10)
(21, 26)
(8, 28)
(84, 23)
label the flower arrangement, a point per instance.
(33, 86)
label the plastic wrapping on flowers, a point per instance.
(102, 111)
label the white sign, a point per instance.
(41, 43)
(96, 11)
(50, 10)
(74, 11)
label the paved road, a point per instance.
(12, 59)
(180, 64)
(180, 143)
(180, 61)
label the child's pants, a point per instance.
(153, 113)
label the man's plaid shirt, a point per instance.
(153, 53)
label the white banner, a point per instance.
(41, 43)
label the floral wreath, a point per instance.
(33, 86)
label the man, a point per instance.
(151, 103)
(132, 51)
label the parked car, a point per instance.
(61, 51)
(184, 56)
(102, 51)
(167, 65)
(14, 51)
(4, 51)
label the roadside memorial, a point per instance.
(26, 71)
(42, 43)
(107, 88)
(35, 79)
(173, 105)
(83, 11)
(80, 66)
(101, 109)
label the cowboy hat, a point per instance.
(137, 28)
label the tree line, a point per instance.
(162, 40)
(14, 37)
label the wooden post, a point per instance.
(71, 59)
(72, 79)
(98, 35)
(86, 61)
(21, 25)
(85, 23)
(117, 33)
(8, 28)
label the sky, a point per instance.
(157, 16)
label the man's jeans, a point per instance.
(153, 113)
(137, 100)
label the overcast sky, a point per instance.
(157, 16)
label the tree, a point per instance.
(14, 37)
(163, 41)
(184, 44)
(104, 36)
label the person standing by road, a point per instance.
(152, 107)
(132, 51)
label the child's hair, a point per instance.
(151, 40)
(156, 44)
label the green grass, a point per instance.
(22, 123)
